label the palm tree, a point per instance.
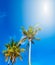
(30, 35)
(12, 52)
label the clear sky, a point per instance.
(17, 13)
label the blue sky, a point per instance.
(17, 13)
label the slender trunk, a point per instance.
(9, 62)
(13, 59)
(29, 52)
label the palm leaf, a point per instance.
(32, 41)
(22, 50)
(6, 59)
(5, 51)
(7, 45)
(21, 58)
(37, 39)
(21, 41)
(39, 29)
(24, 31)
(12, 42)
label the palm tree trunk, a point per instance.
(13, 59)
(29, 52)
(9, 62)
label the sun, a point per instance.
(46, 8)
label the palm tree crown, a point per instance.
(13, 51)
(30, 33)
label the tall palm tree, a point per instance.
(30, 35)
(12, 52)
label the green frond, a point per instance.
(22, 49)
(22, 27)
(32, 41)
(6, 59)
(11, 50)
(12, 42)
(39, 29)
(22, 40)
(37, 39)
(30, 30)
(21, 58)
(7, 45)
(19, 45)
(5, 51)
(16, 43)
(36, 30)
(24, 31)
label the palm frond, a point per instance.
(24, 31)
(5, 51)
(19, 45)
(21, 58)
(6, 59)
(21, 41)
(32, 41)
(12, 42)
(22, 49)
(30, 28)
(39, 29)
(7, 45)
(37, 39)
